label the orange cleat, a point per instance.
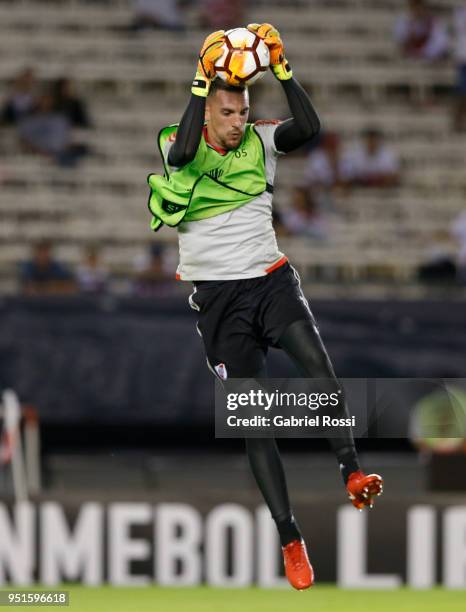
(297, 567)
(362, 489)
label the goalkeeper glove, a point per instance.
(211, 50)
(278, 64)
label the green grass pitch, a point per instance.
(321, 598)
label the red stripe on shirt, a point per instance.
(277, 264)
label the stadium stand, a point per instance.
(343, 53)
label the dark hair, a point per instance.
(43, 243)
(58, 85)
(372, 132)
(156, 249)
(220, 84)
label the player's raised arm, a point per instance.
(305, 122)
(189, 131)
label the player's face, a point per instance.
(226, 116)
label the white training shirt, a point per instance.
(237, 244)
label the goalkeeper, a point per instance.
(217, 190)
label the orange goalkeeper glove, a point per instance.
(271, 36)
(208, 55)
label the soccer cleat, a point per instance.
(363, 488)
(297, 566)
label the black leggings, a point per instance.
(302, 342)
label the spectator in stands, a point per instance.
(420, 34)
(371, 163)
(48, 132)
(92, 277)
(157, 14)
(221, 14)
(43, 275)
(278, 225)
(22, 99)
(323, 172)
(304, 218)
(66, 102)
(459, 22)
(151, 276)
(324, 163)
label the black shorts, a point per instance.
(240, 319)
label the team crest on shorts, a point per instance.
(221, 371)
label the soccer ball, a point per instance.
(245, 57)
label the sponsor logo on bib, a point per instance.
(216, 173)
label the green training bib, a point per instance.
(211, 184)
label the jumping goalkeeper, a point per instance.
(217, 190)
